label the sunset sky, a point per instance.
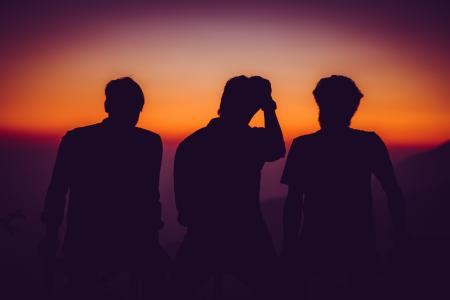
(56, 60)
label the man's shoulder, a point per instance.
(306, 138)
(363, 133)
(195, 141)
(96, 128)
(147, 134)
(82, 131)
(195, 137)
(367, 137)
(257, 132)
(256, 129)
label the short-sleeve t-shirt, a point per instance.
(333, 170)
(217, 175)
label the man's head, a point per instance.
(338, 98)
(124, 101)
(242, 98)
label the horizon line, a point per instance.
(27, 136)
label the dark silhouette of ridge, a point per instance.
(420, 271)
(427, 179)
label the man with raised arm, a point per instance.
(217, 182)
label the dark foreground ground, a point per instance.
(420, 271)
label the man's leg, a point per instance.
(80, 284)
(363, 282)
(258, 267)
(149, 273)
(192, 268)
(294, 277)
(263, 278)
(154, 285)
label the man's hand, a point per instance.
(263, 91)
(269, 105)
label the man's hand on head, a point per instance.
(263, 90)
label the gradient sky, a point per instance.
(57, 58)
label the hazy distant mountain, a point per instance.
(425, 178)
(422, 271)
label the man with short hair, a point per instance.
(111, 170)
(329, 178)
(217, 180)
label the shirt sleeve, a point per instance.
(55, 199)
(292, 169)
(381, 162)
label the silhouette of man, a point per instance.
(329, 178)
(112, 172)
(217, 179)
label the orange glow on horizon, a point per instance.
(183, 70)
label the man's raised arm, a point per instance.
(276, 148)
